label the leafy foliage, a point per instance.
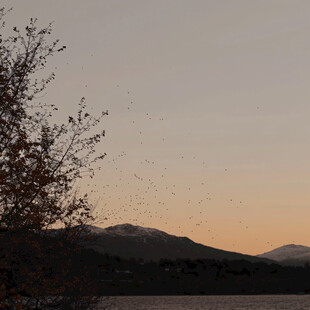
(40, 162)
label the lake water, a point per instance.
(262, 302)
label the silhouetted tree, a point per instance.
(40, 163)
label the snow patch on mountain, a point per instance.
(129, 230)
(287, 252)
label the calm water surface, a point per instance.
(266, 302)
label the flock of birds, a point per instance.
(152, 196)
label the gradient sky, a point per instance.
(208, 128)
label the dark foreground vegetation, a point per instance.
(41, 161)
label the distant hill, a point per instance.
(129, 241)
(290, 254)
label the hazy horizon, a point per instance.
(208, 126)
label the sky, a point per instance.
(208, 128)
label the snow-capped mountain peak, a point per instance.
(288, 252)
(128, 230)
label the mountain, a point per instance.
(129, 241)
(291, 254)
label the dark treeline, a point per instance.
(204, 276)
(110, 275)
